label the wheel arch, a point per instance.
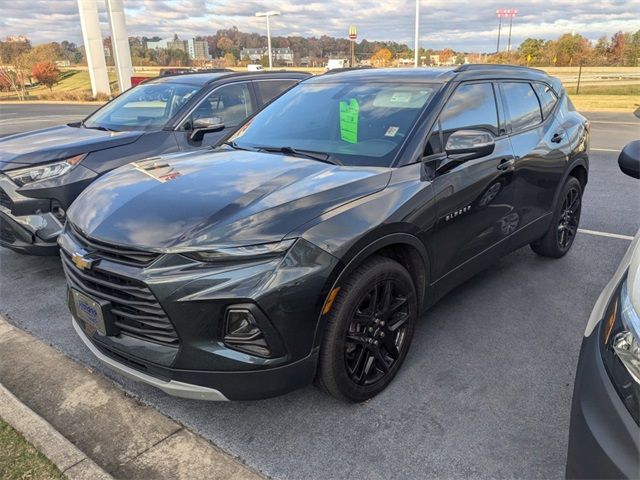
(578, 168)
(403, 247)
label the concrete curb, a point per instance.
(36, 430)
(76, 406)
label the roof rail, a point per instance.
(492, 66)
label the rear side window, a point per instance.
(471, 107)
(547, 98)
(270, 89)
(523, 105)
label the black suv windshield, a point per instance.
(146, 107)
(357, 124)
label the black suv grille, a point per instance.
(135, 309)
(5, 201)
(127, 256)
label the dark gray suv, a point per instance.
(307, 246)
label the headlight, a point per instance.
(24, 176)
(251, 252)
(620, 336)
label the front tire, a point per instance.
(557, 241)
(368, 332)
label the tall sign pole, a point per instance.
(353, 35)
(94, 50)
(417, 36)
(120, 43)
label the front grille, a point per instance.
(124, 255)
(5, 201)
(135, 309)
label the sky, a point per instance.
(461, 25)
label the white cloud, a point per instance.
(454, 23)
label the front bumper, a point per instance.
(186, 300)
(172, 387)
(23, 230)
(604, 440)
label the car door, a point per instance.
(474, 200)
(232, 103)
(540, 147)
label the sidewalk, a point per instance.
(109, 429)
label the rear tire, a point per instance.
(368, 332)
(558, 239)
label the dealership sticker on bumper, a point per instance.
(89, 311)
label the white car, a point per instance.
(604, 438)
(254, 67)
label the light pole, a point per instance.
(499, 13)
(512, 13)
(417, 38)
(268, 14)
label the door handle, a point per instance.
(506, 163)
(557, 137)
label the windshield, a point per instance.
(357, 124)
(145, 107)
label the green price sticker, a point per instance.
(349, 120)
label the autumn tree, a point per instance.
(382, 57)
(446, 55)
(46, 73)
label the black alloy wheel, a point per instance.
(377, 332)
(559, 238)
(569, 218)
(368, 330)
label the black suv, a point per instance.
(308, 244)
(42, 172)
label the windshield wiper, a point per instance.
(235, 146)
(313, 155)
(98, 127)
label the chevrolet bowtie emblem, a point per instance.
(82, 262)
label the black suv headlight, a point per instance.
(620, 337)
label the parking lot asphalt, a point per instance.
(484, 392)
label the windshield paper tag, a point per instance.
(349, 120)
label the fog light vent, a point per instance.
(243, 333)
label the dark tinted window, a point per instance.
(472, 106)
(522, 104)
(547, 98)
(232, 103)
(270, 89)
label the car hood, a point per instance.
(59, 142)
(224, 198)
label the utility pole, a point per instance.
(417, 37)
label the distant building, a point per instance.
(196, 49)
(280, 55)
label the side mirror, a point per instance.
(470, 143)
(465, 145)
(629, 159)
(205, 125)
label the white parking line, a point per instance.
(614, 123)
(605, 234)
(604, 150)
